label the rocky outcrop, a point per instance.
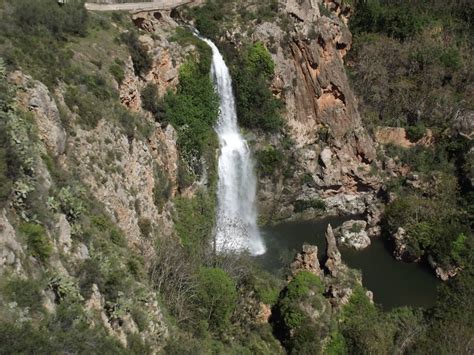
(392, 135)
(331, 152)
(353, 234)
(37, 99)
(334, 260)
(464, 124)
(443, 273)
(122, 175)
(307, 260)
(401, 251)
(118, 322)
(11, 251)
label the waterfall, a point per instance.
(236, 225)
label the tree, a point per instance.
(216, 297)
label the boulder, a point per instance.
(353, 234)
(64, 234)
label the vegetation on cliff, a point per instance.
(411, 67)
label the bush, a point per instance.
(268, 160)
(25, 292)
(145, 226)
(193, 109)
(88, 106)
(39, 244)
(433, 223)
(303, 205)
(45, 15)
(294, 318)
(216, 297)
(256, 105)
(142, 61)
(117, 71)
(194, 220)
(150, 98)
(161, 189)
(415, 133)
(395, 21)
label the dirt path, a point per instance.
(138, 6)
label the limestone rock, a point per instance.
(264, 314)
(81, 252)
(392, 135)
(400, 239)
(307, 260)
(333, 262)
(64, 234)
(11, 250)
(38, 99)
(464, 124)
(331, 152)
(353, 234)
(443, 273)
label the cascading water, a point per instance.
(236, 228)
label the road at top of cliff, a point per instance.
(138, 6)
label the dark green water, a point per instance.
(394, 283)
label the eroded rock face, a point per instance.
(167, 57)
(332, 152)
(353, 234)
(120, 173)
(38, 100)
(307, 260)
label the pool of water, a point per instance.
(394, 283)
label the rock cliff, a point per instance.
(331, 152)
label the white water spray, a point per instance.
(236, 228)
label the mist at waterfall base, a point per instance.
(236, 224)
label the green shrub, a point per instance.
(377, 16)
(415, 133)
(145, 226)
(433, 223)
(88, 274)
(451, 58)
(336, 345)
(194, 220)
(39, 244)
(303, 205)
(25, 292)
(161, 189)
(44, 15)
(117, 237)
(216, 297)
(88, 106)
(293, 318)
(193, 109)
(150, 98)
(256, 105)
(268, 160)
(117, 71)
(209, 18)
(142, 60)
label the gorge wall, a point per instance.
(330, 155)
